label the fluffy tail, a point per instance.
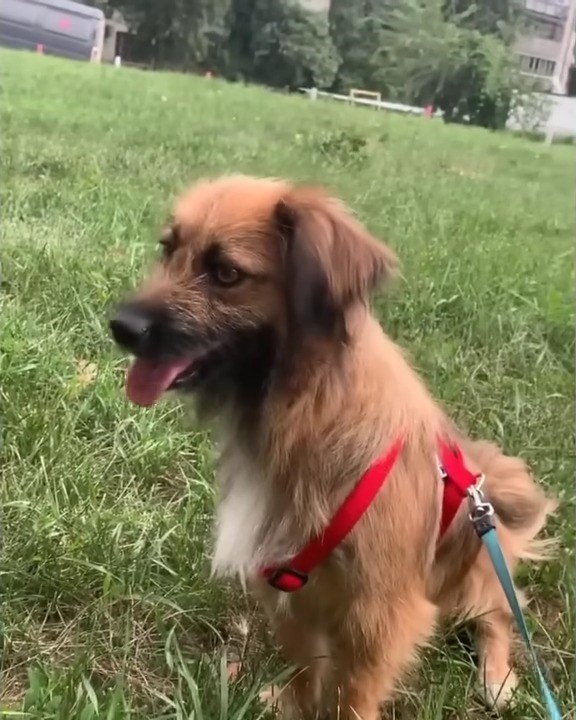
(521, 505)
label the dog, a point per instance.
(259, 310)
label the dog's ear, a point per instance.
(332, 261)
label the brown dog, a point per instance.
(259, 307)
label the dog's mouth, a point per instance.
(147, 380)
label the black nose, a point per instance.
(132, 328)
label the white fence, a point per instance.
(551, 115)
(313, 93)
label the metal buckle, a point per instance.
(481, 511)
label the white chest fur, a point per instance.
(241, 515)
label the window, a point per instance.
(537, 66)
(546, 30)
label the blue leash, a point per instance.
(481, 514)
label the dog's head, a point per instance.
(251, 272)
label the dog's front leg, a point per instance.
(374, 647)
(304, 647)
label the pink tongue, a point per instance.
(147, 380)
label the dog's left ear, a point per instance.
(332, 261)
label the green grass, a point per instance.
(107, 606)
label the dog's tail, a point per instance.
(521, 505)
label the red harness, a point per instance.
(457, 479)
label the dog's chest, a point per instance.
(241, 517)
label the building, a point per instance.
(114, 35)
(546, 51)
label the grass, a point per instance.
(107, 607)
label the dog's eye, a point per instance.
(225, 274)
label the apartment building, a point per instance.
(546, 51)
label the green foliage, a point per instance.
(175, 33)
(530, 112)
(439, 57)
(283, 45)
(345, 147)
(480, 90)
(495, 17)
(275, 42)
(358, 30)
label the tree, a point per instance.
(490, 17)
(275, 42)
(280, 44)
(358, 31)
(176, 33)
(470, 75)
(240, 59)
(480, 90)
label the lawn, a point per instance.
(107, 608)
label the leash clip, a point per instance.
(481, 511)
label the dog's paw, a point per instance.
(281, 700)
(497, 695)
(269, 696)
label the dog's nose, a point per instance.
(132, 328)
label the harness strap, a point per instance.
(291, 577)
(457, 479)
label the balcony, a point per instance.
(550, 8)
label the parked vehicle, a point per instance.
(54, 27)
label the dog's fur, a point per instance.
(305, 393)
